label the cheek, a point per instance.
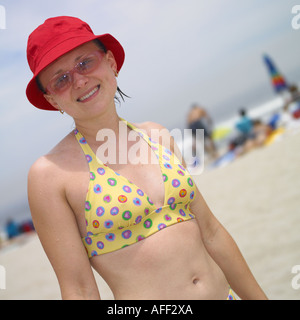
(114, 84)
(53, 100)
(65, 101)
(110, 84)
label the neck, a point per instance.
(90, 127)
(109, 131)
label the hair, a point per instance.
(120, 92)
(39, 84)
(103, 48)
(242, 112)
(194, 105)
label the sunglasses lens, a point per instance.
(60, 83)
(63, 81)
(88, 64)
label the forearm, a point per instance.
(227, 255)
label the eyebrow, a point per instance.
(61, 70)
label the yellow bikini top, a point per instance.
(118, 213)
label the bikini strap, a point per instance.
(94, 161)
(153, 144)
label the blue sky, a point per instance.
(177, 52)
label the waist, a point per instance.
(118, 238)
(171, 264)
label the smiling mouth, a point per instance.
(88, 95)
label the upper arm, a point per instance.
(207, 222)
(57, 229)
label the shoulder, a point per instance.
(156, 132)
(149, 125)
(43, 169)
(44, 179)
(48, 168)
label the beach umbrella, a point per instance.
(278, 82)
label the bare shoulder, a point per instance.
(156, 132)
(43, 171)
(49, 168)
(47, 184)
(55, 220)
(148, 125)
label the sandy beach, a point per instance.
(256, 198)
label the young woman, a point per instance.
(142, 225)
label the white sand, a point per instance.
(29, 274)
(256, 198)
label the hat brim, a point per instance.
(36, 96)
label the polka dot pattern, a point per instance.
(118, 213)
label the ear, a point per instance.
(52, 101)
(111, 60)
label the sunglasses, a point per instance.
(63, 81)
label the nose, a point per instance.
(79, 80)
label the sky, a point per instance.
(178, 52)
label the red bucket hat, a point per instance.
(55, 37)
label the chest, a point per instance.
(114, 180)
(152, 177)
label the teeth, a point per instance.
(89, 94)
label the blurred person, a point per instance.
(198, 118)
(12, 229)
(260, 133)
(145, 228)
(285, 116)
(274, 120)
(244, 131)
(244, 125)
(26, 226)
(294, 101)
(295, 94)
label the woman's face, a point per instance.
(88, 93)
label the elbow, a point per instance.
(80, 293)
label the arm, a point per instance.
(223, 249)
(218, 242)
(57, 229)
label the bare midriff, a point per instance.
(170, 264)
